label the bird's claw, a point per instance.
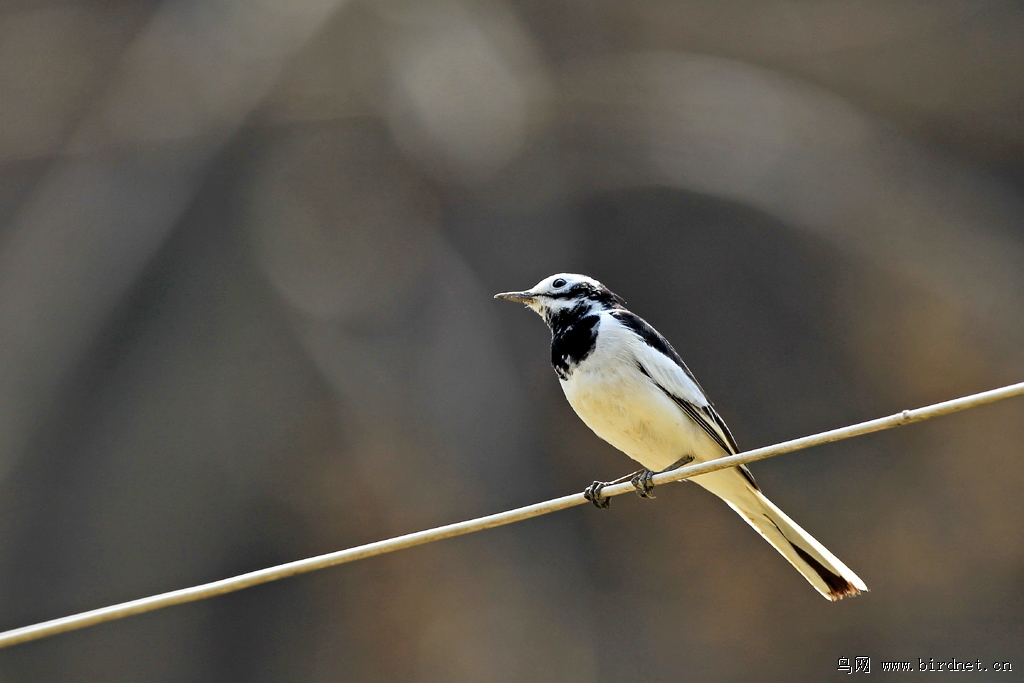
(643, 484)
(593, 494)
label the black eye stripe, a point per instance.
(585, 290)
(579, 290)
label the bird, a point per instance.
(627, 383)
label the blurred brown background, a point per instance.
(247, 253)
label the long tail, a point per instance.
(822, 569)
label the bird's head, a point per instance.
(565, 292)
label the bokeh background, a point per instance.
(247, 253)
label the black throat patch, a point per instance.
(573, 337)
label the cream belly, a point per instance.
(625, 409)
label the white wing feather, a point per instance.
(670, 375)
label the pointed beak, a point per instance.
(521, 297)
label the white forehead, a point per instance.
(571, 278)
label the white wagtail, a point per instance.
(629, 385)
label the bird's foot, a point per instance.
(641, 481)
(593, 494)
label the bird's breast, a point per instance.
(627, 410)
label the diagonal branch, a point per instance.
(209, 590)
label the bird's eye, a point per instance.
(558, 284)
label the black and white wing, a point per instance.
(659, 361)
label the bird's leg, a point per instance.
(642, 480)
(685, 460)
(593, 492)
